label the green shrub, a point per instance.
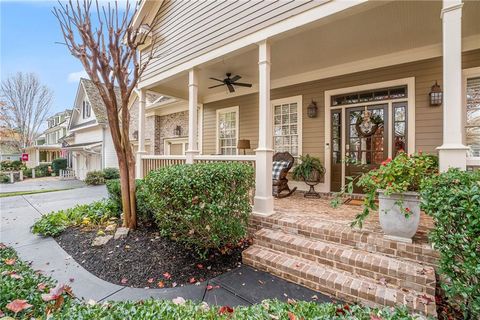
(27, 172)
(95, 178)
(144, 210)
(452, 199)
(9, 165)
(43, 170)
(54, 223)
(204, 206)
(4, 178)
(111, 173)
(59, 164)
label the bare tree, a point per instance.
(25, 106)
(106, 43)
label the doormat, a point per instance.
(356, 202)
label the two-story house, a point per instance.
(48, 145)
(89, 144)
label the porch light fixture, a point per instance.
(177, 131)
(312, 109)
(143, 33)
(436, 95)
(243, 144)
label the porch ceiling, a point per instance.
(375, 30)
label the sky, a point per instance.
(28, 35)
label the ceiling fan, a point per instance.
(230, 82)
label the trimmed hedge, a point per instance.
(452, 199)
(4, 178)
(59, 164)
(144, 211)
(43, 170)
(8, 165)
(20, 282)
(95, 178)
(111, 173)
(204, 206)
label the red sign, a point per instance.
(24, 157)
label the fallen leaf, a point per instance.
(200, 266)
(16, 276)
(375, 317)
(2, 246)
(291, 301)
(425, 299)
(383, 281)
(225, 310)
(18, 305)
(174, 285)
(192, 280)
(291, 316)
(315, 297)
(210, 287)
(261, 282)
(71, 279)
(41, 286)
(124, 281)
(179, 301)
(160, 284)
(150, 280)
(167, 275)
(56, 293)
(10, 262)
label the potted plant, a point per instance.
(397, 183)
(311, 171)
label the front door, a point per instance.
(366, 144)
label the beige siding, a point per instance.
(428, 126)
(188, 29)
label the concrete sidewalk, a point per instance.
(242, 286)
(45, 183)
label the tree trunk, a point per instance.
(127, 185)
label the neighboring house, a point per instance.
(89, 141)
(9, 149)
(321, 72)
(47, 146)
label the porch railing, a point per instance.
(153, 162)
(66, 174)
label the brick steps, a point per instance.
(340, 284)
(341, 234)
(374, 266)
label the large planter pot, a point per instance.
(312, 180)
(393, 221)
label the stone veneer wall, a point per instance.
(167, 125)
(150, 128)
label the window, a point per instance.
(86, 109)
(399, 127)
(368, 96)
(287, 125)
(472, 119)
(227, 131)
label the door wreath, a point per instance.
(368, 124)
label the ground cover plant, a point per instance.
(452, 199)
(54, 223)
(26, 293)
(111, 173)
(95, 178)
(203, 206)
(4, 178)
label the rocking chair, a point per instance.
(283, 162)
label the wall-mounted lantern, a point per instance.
(177, 131)
(135, 135)
(312, 109)
(436, 95)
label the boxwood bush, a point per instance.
(204, 206)
(452, 199)
(144, 211)
(111, 173)
(43, 170)
(95, 178)
(59, 164)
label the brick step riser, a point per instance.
(358, 240)
(353, 292)
(379, 273)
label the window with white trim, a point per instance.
(86, 109)
(227, 131)
(287, 126)
(472, 119)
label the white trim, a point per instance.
(237, 125)
(200, 128)
(168, 141)
(324, 10)
(468, 73)
(409, 82)
(299, 101)
(391, 59)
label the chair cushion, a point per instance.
(277, 168)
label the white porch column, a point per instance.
(37, 157)
(192, 116)
(141, 134)
(452, 153)
(263, 202)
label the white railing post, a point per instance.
(192, 116)
(263, 202)
(141, 134)
(452, 153)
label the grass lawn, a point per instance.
(23, 193)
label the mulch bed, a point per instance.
(145, 259)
